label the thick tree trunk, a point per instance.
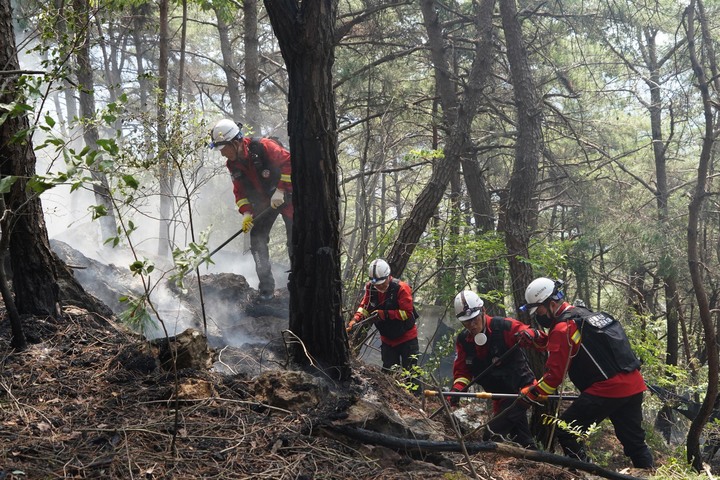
(521, 209)
(305, 32)
(520, 206)
(40, 280)
(34, 276)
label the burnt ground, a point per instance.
(88, 400)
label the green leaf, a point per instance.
(39, 184)
(131, 182)
(6, 183)
(98, 211)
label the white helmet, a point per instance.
(378, 271)
(539, 291)
(467, 305)
(224, 132)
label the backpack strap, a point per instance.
(258, 154)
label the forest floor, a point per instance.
(84, 401)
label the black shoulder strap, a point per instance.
(257, 152)
(498, 325)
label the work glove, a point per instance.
(277, 199)
(247, 222)
(350, 325)
(530, 337)
(531, 395)
(453, 401)
(526, 337)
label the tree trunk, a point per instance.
(86, 89)
(36, 270)
(164, 160)
(229, 67)
(34, 278)
(18, 340)
(521, 208)
(694, 261)
(305, 32)
(253, 117)
(457, 118)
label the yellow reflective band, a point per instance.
(462, 380)
(363, 312)
(285, 177)
(241, 202)
(403, 315)
(547, 389)
(576, 337)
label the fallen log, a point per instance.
(426, 446)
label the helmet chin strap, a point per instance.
(554, 312)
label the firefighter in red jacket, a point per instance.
(391, 299)
(477, 350)
(593, 349)
(260, 171)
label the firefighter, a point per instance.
(477, 349)
(260, 171)
(392, 301)
(593, 349)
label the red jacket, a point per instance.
(462, 370)
(564, 342)
(243, 167)
(403, 313)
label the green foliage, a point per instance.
(674, 468)
(583, 436)
(142, 267)
(409, 378)
(187, 259)
(6, 183)
(137, 314)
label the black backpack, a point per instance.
(268, 175)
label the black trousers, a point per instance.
(259, 239)
(510, 425)
(626, 417)
(405, 354)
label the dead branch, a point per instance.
(425, 446)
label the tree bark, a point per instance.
(165, 179)
(457, 118)
(305, 32)
(229, 67)
(86, 89)
(521, 208)
(253, 116)
(696, 269)
(40, 279)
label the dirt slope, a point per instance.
(88, 400)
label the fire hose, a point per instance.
(371, 319)
(232, 237)
(480, 375)
(491, 396)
